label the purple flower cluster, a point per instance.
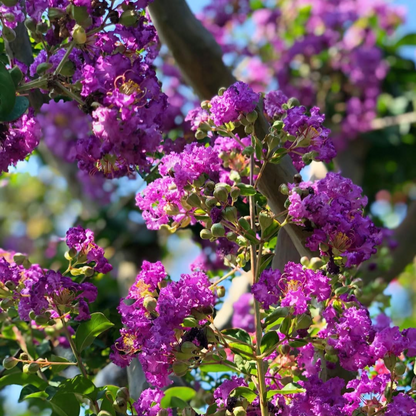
(82, 240)
(333, 208)
(311, 138)
(237, 100)
(164, 199)
(294, 288)
(221, 393)
(18, 139)
(243, 316)
(148, 403)
(152, 313)
(43, 291)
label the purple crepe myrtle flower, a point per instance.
(148, 403)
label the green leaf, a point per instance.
(88, 331)
(30, 392)
(244, 392)
(57, 359)
(20, 107)
(297, 343)
(269, 341)
(7, 91)
(22, 379)
(409, 39)
(216, 368)
(79, 385)
(246, 190)
(109, 395)
(276, 314)
(184, 394)
(212, 409)
(64, 405)
(239, 334)
(288, 389)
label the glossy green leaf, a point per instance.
(212, 409)
(182, 393)
(297, 343)
(269, 341)
(288, 389)
(23, 379)
(7, 91)
(407, 40)
(244, 392)
(20, 107)
(216, 368)
(64, 405)
(276, 314)
(238, 334)
(79, 385)
(88, 331)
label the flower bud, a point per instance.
(10, 285)
(242, 241)
(265, 220)
(239, 411)
(244, 224)
(331, 358)
(120, 405)
(304, 261)
(390, 361)
(205, 234)
(128, 18)
(235, 176)
(180, 368)
(30, 24)
(23, 356)
(190, 322)
(68, 69)
(150, 303)
(252, 117)
(244, 121)
(285, 349)
(235, 193)
(218, 230)
(231, 236)
(8, 34)
(188, 347)
(221, 194)
(221, 91)
(9, 363)
(293, 102)
(200, 135)
(230, 214)
(33, 368)
(323, 247)
(42, 27)
(248, 129)
(211, 202)
(316, 263)
(193, 200)
(220, 291)
(123, 392)
(79, 35)
(400, 368)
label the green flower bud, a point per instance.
(400, 368)
(230, 214)
(235, 193)
(200, 135)
(221, 194)
(244, 121)
(123, 393)
(285, 349)
(120, 405)
(190, 322)
(244, 224)
(25, 368)
(231, 236)
(188, 347)
(30, 24)
(218, 230)
(209, 188)
(242, 241)
(43, 67)
(41, 320)
(180, 368)
(9, 363)
(252, 117)
(293, 102)
(150, 303)
(42, 27)
(390, 361)
(8, 34)
(239, 411)
(221, 91)
(128, 18)
(278, 125)
(220, 291)
(331, 358)
(205, 234)
(304, 261)
(316, 263)
(33, 367)
(23, 356)
(248, 129)
(211, 202)
(79, 35)
(10, 285)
